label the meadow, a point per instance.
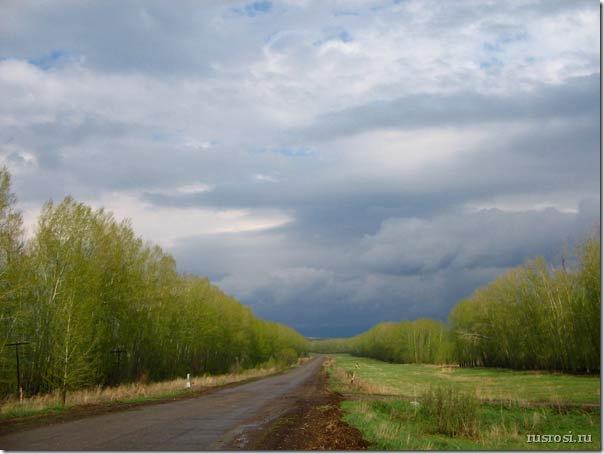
(410, 380)
(393, 405)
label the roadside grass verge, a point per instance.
(410, 380)
(400, 425)
(131, 393)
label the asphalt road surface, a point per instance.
(218, 420)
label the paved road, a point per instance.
(213, 421)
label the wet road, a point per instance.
(213, 421)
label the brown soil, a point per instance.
(315, 423)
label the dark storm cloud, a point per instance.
(409, 152)
(578, 97)
(421, 267)
(48, 139)
(485, 239)
(558, 156)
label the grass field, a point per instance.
(411, 380)
(500, 407)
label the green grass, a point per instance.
(395, 423)
(450, 411)
(497, 384)
(26, 412)
(398, 425)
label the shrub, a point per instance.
(451, 411)
(287, 356)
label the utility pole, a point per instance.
(19, 388)
(118, 352)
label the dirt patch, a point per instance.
(315, 423)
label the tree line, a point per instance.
(419, 341)
(100, 306)
(535, 316)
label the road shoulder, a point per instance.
(8, 426)
(314, 423)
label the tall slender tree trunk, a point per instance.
(66, 360)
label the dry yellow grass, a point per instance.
(125, 393)
(303, 360)
(447, 368)
(358, 385)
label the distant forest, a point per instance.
(532, 317)
(98, 306)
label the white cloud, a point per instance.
(194, 188)
(167, 225)
(268, 178)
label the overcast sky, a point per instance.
(332, 164)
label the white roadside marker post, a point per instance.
(188, 385)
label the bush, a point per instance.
(287, 356)
(452, 412)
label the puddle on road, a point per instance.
(241, 438)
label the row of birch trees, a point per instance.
(98, 305)
(419, 341)
(532, 317)
(535, 317)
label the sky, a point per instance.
(330, 164)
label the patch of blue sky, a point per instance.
(340, 13)
(380, 7)
(337, 35)
(492, 63)
(345, 36)
(271, 36)
(492, 47)
(294, 152)
(47, 61)
(254, 9)
(507, 38)
(503, 39)
(163, 137)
